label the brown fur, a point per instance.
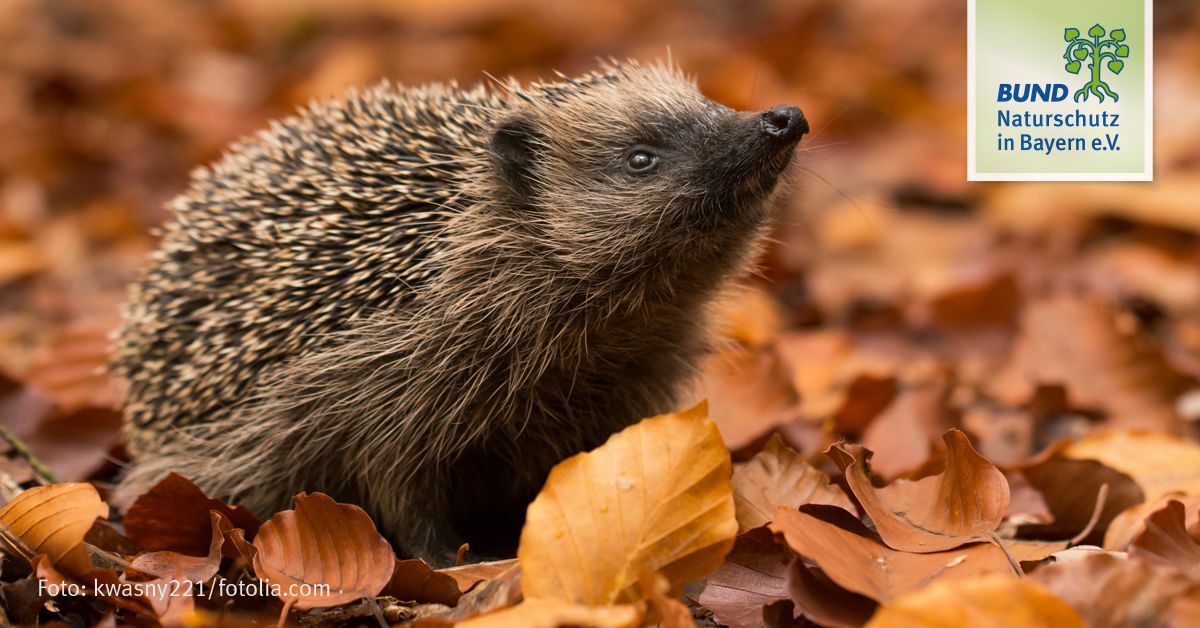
(384, 300)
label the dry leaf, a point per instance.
(821, 600)
(901, 437)
(173, 516)
(751, 394)
(52, 520)
(1110, 590)
(779, 476)
(1130, 523)
(1071, 489)
(1159, 463)
(843, 549)
(544, 613)
(323, 542)
(1165, 541)
(467, 576)
(655, 497)
(963, 503)
(414, 580)
(753, 575)
(984, 602)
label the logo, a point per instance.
(1094, 51)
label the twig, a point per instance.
(1016, 566)
(1101, 499)
(19, 446)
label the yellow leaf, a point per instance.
(554, 613)
(53, 520)
(983, 602)
(655, 497)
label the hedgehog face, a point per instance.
(620, 165)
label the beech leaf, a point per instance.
(779, 476)
(984, 601)
(656, 497)
(322, 543)
(963, 503)
(53, 519)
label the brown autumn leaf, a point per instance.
(323, 542)
(1071, 489)
(750, 393)
(52, 520)
(1158, 462)
(174, 516)
(963, 503)
(467, 576)
(779, 476)
(835, 379)
(1111, 590)
(500, 591)
(413, 580)
(843, 548)
(901, 437)
(982, 602)
(547, 613)
(1076, 342)
(753, 575)
(168, 565)
(818, 598)
(656, 497)
(1165, 541)
(1127, 525)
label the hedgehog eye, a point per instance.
(641, 161)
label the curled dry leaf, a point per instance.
(963, 503)
(1165, 541)
(171, 598)
(174, 516)
(52, 520)
(843, 548)
(656, 497)
(323, 542)
(1130, 523)
(983, 601)
(778, 476)
(557, 613)
(753, 575)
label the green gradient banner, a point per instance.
(1060, 90)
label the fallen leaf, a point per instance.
(52, 520)
(655, 497)
(753, 575)
(901, 437)
(818, 598)
(1071, 488)
(963, 503)
(501, 591)
(1111, 590)
(544, 613)
(325, 544)
(844, 550)
(1075, 342)
(467, 576)
(1159, 463)
(1165, 541)
(779, 476)
(986, 601)
(413, 580)
(167, 565)
(1130, 523)
(173, 516)
(751, 394)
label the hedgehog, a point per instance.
(420, 299)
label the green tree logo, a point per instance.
(1094, 50)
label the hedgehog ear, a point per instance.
(514, 149)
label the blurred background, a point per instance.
(106, 106)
